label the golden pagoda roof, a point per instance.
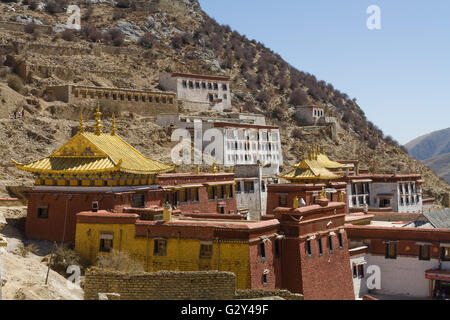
(88, 152)
(315, 166)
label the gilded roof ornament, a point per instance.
(322, 194)
(98, 127)
(82, 127)
(214, 167)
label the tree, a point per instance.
(298, 98)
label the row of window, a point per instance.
(318, 113)
(249, 187)
(424, 252)
(320, 245)
(204, 85)
(252, 135)
(409, 200)
(252, 146)
(212, 97)
(220, 192)
(246, 157)
(187, 195)
(159, 246)
(406, 188)
(125, 96)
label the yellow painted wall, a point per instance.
(182, 255)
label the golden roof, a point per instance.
(316, 166)
(88, 152)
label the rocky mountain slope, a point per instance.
(177, 36)
(433, 150)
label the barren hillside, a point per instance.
(178, 36)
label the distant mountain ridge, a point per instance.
(433, 150)
(430, 145)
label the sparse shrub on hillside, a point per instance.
(118, 14)
(64, 257)
(114, 36)
(297, 133)
(277, 113)
(123, 4)
(88, 14)
(31, 28)
(262, 97)
(32, 4)
(298, 98)
(91, 33)
(68, 35)
(373, 143)
(25, 250)
(147, 40)
(54, 7)
(15, 83)
(119, 261)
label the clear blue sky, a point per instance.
(400, 75)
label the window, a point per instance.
(361, 271)
(319, 242)
(191, 85)
(264, 279)
(391, 250)
(355, 271)
(249, 186)
(308, 248)
(424, 252)
(195, 195)
(229, 192)
(330, 243)
(220, 192)
(42, 212)
(206, 250)
(211, 193)
(138, 201)
(160, 247)
(94, 206)
(225, 97)
(262, 251)
(203, 85)
(282, 200)
(182, 196)
(263, 186)
(184, 84)
(197, 85)
(224, 87)
(106, 242)
(238, 187)
(277, 248)
(341, 241)
(445, 254)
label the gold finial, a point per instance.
(322, 194)
(82, 127)
(214, 169)
(231, 170)
(197, 169)
(113, 126)
(341, 196)
(295, 204)
(98, 127)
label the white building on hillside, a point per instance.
(199, 92)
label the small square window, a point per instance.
(264, 280)
(391, 250)
(424, 252)
(206, 250)
(106, 242)
(160, 247)
(42, 212)
(445, 254)
(361, 271)
(262, 251)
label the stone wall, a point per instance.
(163, 285)
(255, 294)
(20, 27)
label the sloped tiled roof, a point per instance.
(88, 152)
(439, 219)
